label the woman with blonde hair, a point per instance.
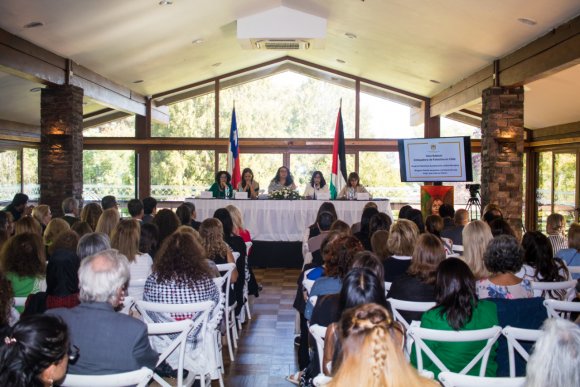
(372, 351)
(27, 224)
(402, 240)
(108, 221)
(211, 232)
(54, 228)
(476, 236)
(42, 214)
(238, 221)
(125, 238)
(91, 214)
(555, 228)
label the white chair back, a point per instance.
(512, 335)
(419, 334)
(574, 269)
(236, 255)
(562, 285)
(451, 379)
(248, 247)
(231, 330)
(140, 378)
(319, 332)
(387, 286)
(408, 306)
(20, 301)
(561, 309)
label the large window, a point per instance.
(452, 128)
(30, 173)
(10, 174)
(124, 127)
(108, 172)
(287, 105)
(176, 175)
(380, 173)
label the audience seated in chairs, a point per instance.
(216, 250)
(6, 302)
(401, 243)
(70, 209)
(92, 243)
(148, 239)
(319, 226)
(457, 308)
(42, 214)
(418, 284)
(363, 235)
(109, 342)
(556, 230)
(476, 237)
(571, 255)
(434, 225)
(27, 224)
(372, 353)
(35, 353)
(81, 228)
(149, 209)
(502, 227)
(91, 214)
(503, 258)
(555, 360)
(167, 222)
(108, 221)
(455, 232)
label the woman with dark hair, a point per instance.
(379, 221)
(36, 353)
(23, 260)
(148, 238)
(6, 302)
(352, 187)
(222, 187)
(503, 258)
(418, 284)
(404, 211)
(81, 228)
(457, 309)
(364, 235)
(434, 225)
(540, 264)
(416, 217)
(248, 184)
(317, 184)
(283, 179)
(501, 227)
(183, 212)
(167, 222)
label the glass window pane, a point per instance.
(287, 105)
(380, 173)
(461, 194)
(451, 128)
(9, 175)
(108, 172)
(303, 165)
(544, 190)
(382, 118)
(176, 175)
(565, 185)
(124, 127)
(193, 117)
(30, 173)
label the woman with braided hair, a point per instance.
(372, 351)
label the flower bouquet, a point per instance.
(285, 194)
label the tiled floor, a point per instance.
(265, 354)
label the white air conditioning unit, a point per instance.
(281, 44)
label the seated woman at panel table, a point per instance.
(317, 184)
(222, 188)
(248, 184)
(283, 179)
(352, 188)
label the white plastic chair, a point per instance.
(387, 287)
(319, 332)
(451, 379)
(214, 334)
(140, 378)
(230, 310)
(419, 334)
(246, 291)
(562, 285)
(512, 335)
(408, 306)
(194, 360)
(574, 269)
(457, 248)
(561, 309)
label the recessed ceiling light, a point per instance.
(434, 81)
(528, 21)
(165, 2)
(197, 41)
(139, 81)
(340, 61)
(216, 64)
(350, 35)
(34, 24)
(35, 89)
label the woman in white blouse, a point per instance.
(317, 184)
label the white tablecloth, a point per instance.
(283, 220)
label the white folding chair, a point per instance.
(319, 332)
(136, 287)
(408, 306)
(246, 291)
(387, 287)
(20, 301)
(419, 334)
(574, 269)
(230, 310)
(457, 248)
(512, 335)
(215, 336)
(561, 309)
(140, 378)
(544, 287)
(451, 379)
(195, 360)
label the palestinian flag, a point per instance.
(338, 176)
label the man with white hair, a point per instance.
(108, 342)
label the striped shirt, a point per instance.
(559, 242)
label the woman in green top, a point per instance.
(222, 189)
(457, 308)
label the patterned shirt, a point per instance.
(559, 242)
(487, 289)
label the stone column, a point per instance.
(502, 148)
(61, 147)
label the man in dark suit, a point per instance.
(135, 208)
(455, 233)
(109, 342)
(149, 209)
(70, 209)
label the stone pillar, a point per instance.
(61, 147)
(502, 148)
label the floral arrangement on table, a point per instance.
(285, 194)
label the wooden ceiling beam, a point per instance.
(16, 131)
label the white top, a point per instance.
(140, 269)
(310, 190)
(527, 272)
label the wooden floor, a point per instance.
(266, 354)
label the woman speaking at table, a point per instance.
(317, 184)
(353, 186)
(283, 179)
(248, 184)
(222, 189)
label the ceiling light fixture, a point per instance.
(34, 24)
(528, 21)
(341, 61)
(434, 81)
(165, 2)
(35, 89)
(139, 81)
(350, 35)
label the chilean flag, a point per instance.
(234, 153)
